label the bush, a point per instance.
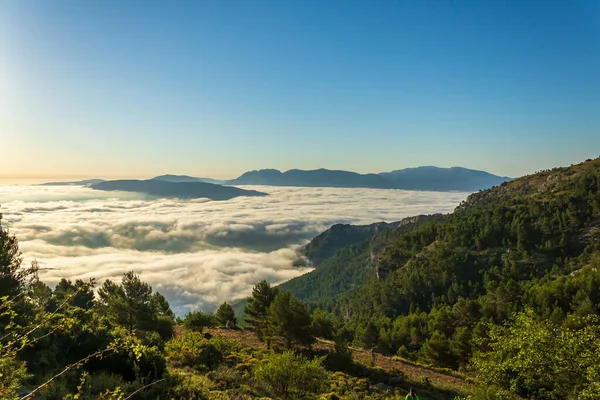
(226, 346)
(193, 350)
(292, 376)
(209, 355)
(192, 386)
(226, 378)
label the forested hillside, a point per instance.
(345, 257)
(525, 253)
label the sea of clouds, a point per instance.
(197, 253)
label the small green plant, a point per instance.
(291, 376)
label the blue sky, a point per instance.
(214, 88)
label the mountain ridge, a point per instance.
(419, 178)
(186, 178)
(377, 254)
(182, 190)
(426, 178)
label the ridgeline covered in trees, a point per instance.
(502, 295)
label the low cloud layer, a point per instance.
(198, 253)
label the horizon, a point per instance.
(41, 179)
(217, 88)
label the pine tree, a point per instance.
(258, 304)
(12, 276)
(288, 319)
(225, 313)
(128, 304)
(322, 324)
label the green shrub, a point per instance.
(226, 378)
(226, 346)
(193, 350)
(209, 355)
(192, 386)
(291, 376)
(151, 365)
(12, 374)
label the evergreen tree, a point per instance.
(13, 278)
(197, 320)
(258, 305)
(128, 304)
(161, 306)
(322, 324)
(370, 336)
(436, 350)
(225, 313)
(287, 318)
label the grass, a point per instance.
(433, 383)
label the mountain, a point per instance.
(443, 179)
(186, 178)
(344, 257)
(429, 293)
(315, 178)
(341, 235)
(85, 182)
(184, 190)
(421, 178)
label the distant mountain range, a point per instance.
(421, 178)
(166, 178)
(85, 182)
(187, 178)
(183, 190)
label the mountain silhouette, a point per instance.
(186, 178)
(421, 178)
(183, 190)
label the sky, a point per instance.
(215, 88)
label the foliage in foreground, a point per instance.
(538, 359)
(292, 376)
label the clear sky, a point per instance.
(214, 88)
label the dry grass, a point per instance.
(444, 379)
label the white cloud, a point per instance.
(197, 253)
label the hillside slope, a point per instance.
(530, 243)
